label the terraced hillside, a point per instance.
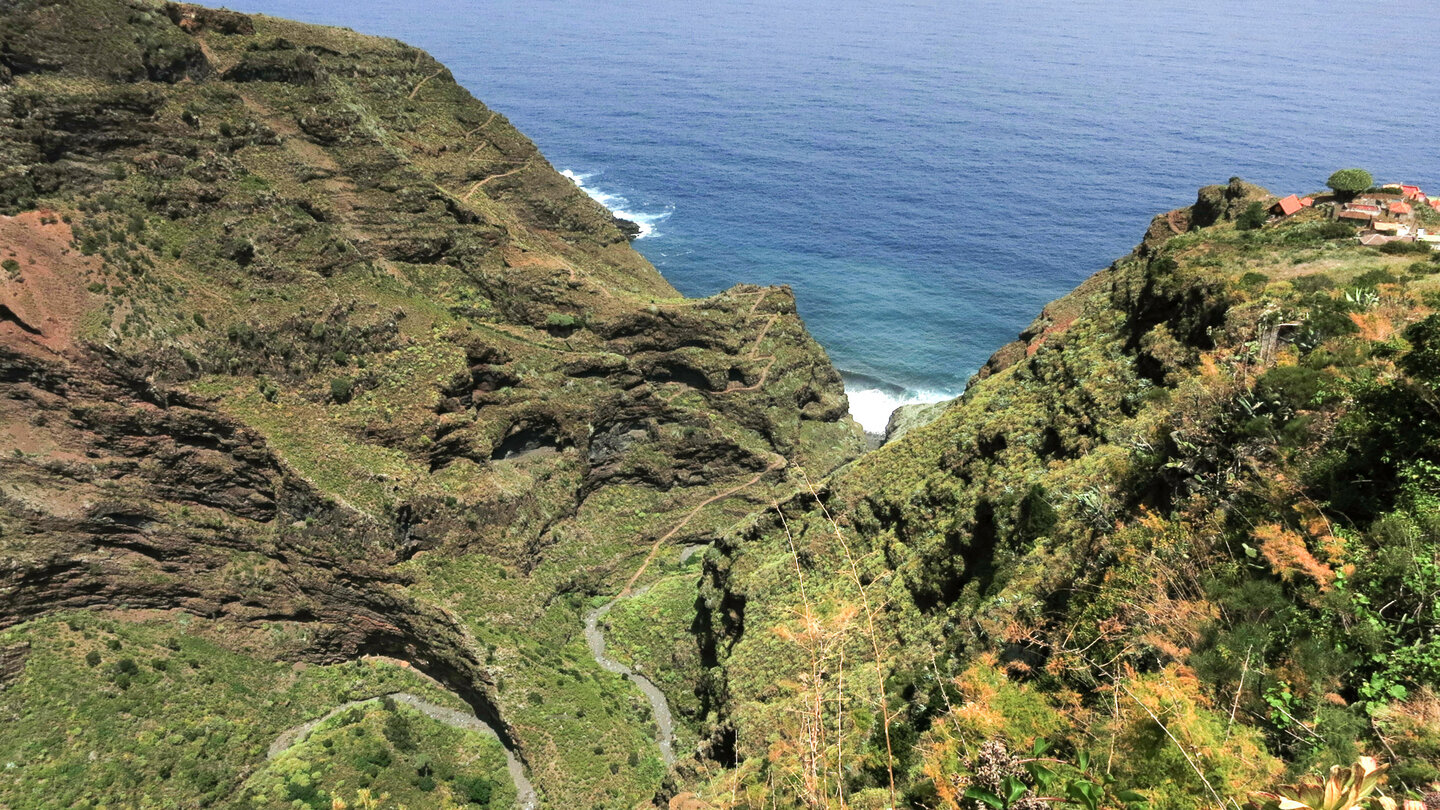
(308, 357)
(350, 457)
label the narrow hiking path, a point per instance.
(594, 629)
(770, 320)
(520, 168)
(659, 705)
(525, 796)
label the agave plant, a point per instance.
(1344, 789)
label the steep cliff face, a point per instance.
(1160, 527)
(314, 373)
(299, 339)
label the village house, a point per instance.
(1389, 216)
(1383, 216)
(1287, 206)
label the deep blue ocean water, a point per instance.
(927, 175)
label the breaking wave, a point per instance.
(618, 205)
(872, 402)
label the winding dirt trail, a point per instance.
(525, 796)
(522, 167)
(659, 706)
(595, 635)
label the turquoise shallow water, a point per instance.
(928, 174)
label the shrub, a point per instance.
(1254, 281)
(371, 756)
(341, 389)
(1252, 217)
(1423, 360)
(475, 789)
(1399, 248)
(92, 658)
(11, 266)
(397, 731)
(1334, 230)
(1349, 182)
(559, 321)
(1371, 279)
(1313, 283)
(1295, 386)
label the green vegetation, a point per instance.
(341, 389)
(91, 722)
(356, 371)
(650, 632)
(1349, 182)
(342, 366)
(1252, 217)
(392, 751)
(1147, 522)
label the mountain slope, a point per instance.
(1193, 506)
(309, 356)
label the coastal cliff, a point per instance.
(332, 415)
(1185, 523)
(310, 357)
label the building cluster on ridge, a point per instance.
(1388, 214)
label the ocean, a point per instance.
(927, 175)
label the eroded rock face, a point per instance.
(291, 326)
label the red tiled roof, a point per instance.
(1369, 209)
(1400, 208)
(1435, 203)
(1289, 205)
(1307, 201)
(1410, 191)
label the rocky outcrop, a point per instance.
(298, 323)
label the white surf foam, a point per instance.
(872, 406)
(618, 205)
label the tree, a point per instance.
(1252, 217)
(1349, 182)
